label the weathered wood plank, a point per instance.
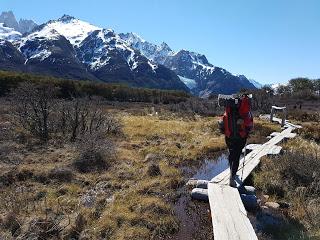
(278, 108)
(229, 225)
(253, 146)
(275, 150)
(274, 134)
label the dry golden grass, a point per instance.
(179, 140)
(294, 178)
(262, 129)
(131, 204)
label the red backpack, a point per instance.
(238, 119)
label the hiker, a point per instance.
(236, 124)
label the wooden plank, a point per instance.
(230, 221)
(274, 134)
(275, 150)
(253, 146)
(278, 108)
(291, 135)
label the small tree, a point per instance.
(284, 90)
(33, 107)
(301, 84)
(262, 99)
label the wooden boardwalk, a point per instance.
(229, 217)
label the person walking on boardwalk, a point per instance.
(236, 124)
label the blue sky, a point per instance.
(269, 41)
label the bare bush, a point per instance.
(37, 110)
(262, 100)
(83, 116)
(33, 107)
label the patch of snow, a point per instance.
(132, 61)
(190, 83)
(74, 30)
(43, 34)
(153, 65)
(207, 68)
(98, 62)
(40, 54)
(9, 34)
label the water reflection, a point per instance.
(212, 167)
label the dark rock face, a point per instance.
(54, 57)
(10, 57)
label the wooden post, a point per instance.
(284, 117)
(271, 115)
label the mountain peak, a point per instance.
(164, 46)
(23, 26)
(9, 20)
(72, 28)
(66, 18)
(8, 14)
(134, 37)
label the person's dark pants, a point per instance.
(235, 146)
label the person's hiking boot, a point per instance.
(232, 182)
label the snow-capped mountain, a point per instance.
(46, 51)
(23, 26)
(72, 48)
(111, 59)
(194, 70)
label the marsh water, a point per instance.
(195, 217)
(212, 167)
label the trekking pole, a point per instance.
(244, 159)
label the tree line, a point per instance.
(301, 87)
(111, 92)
